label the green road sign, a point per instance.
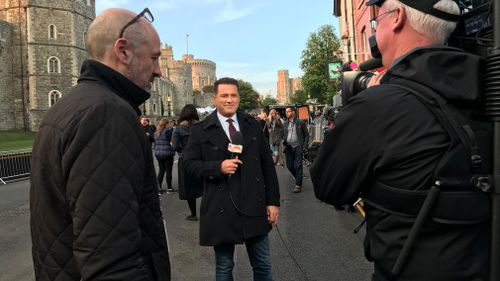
(333, 70)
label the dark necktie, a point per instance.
(232, 129)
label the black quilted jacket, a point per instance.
(95, 212)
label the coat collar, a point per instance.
(124, 88)
(216, 134)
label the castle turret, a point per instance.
(48, 50)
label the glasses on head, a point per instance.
(373, 21)
(146, 13)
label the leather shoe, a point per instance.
(297, 189)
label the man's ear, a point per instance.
(122, 50)
(400, 20)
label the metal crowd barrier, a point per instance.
(14, 164)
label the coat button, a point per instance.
(257, 179)
(215, 148)
(254, 138)
(210, 177)
(221, 210)
(220, 188)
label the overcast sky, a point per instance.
(247, 39)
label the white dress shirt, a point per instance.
(225, 124)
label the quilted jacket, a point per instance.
(95, 210)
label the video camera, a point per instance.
(474, 34)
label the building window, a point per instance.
(89, 2)
(53, 65)
(54, 96)
(52, 32)
(202, 82)
(154, 108)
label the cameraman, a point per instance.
(390, 148)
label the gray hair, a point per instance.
(437, 29)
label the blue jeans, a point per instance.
(294, 163)
(258, 253)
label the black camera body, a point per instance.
(474, 34)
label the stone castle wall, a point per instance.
(203, 73)
(7, 111)
(32, 48)
(180, 75)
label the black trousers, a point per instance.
(166, 166)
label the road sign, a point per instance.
(334, 70)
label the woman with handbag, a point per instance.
(164, 153)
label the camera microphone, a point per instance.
(370, 64)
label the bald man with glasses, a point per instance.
(95, 210)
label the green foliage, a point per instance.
(299, 97)
(249, 98)
(208, 89)
(320, 49)
(268, 100)
(16, 139)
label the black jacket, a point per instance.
(386, 135)
(302, 132)
(189, 187)
(232, 208)
(95, 211)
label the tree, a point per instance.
(320, 49)
(208, 89)
(249, 98)
(268, 100)
(299, 97)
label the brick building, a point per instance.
(354, 21)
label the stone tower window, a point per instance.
(154, 108)
(89, 2)
(52, 32)
(53, 65)
(54, 96)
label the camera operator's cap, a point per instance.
(424, 6)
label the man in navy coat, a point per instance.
(241, 193)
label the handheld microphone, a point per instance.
(370, 64)
(235, 146)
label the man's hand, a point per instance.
(229, 166)
(375, 80)
(272, 214)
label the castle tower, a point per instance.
(296, 84)
(179, 72)
(283, 87)
(48, 50)
(203, 72)
(203, 75)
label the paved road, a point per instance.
(313, 242)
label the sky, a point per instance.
(247, 39)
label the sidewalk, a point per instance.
(319, 239)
